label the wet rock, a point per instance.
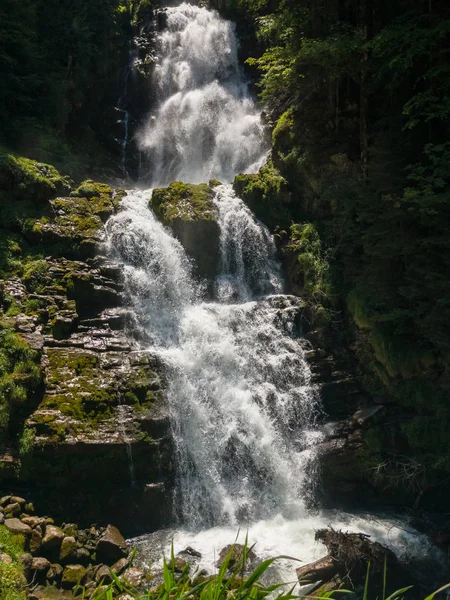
(179, 564)
(53, 538)
(236, 562)
(17, 527)
(120, 566)
(190, 552)
(72, 575)
(134, 577)
(111, 546)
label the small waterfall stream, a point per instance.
(243, 408)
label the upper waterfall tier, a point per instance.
(205, 124)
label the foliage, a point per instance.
(20, 374)
(266, 193)
(11, 573)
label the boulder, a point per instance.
(19, 500)
(73, 575)
(27, 561)
(134, 577)
(120, 566)
(103, 575)
(17, 527)
(55, 572)
(40, 567)
(68, 550)
(35, 541)
(33, 521)
(5, 558)
(111, 546)
(236, 562)
(13, 509)
(53, 537)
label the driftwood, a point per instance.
(346, 561)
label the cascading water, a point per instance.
(205, 125)
(243, 408)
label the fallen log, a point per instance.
(346, 561)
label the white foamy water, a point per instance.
(205, 124)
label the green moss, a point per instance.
(26, 178)
(267, 195)
(20, 373)
(11, 574)
(312, 263)
(184, 201)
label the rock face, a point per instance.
(188, 210)
(97, 404)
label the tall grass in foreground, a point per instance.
(228, 584)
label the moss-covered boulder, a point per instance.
(23, 178)
(188, 210)
(267, 195)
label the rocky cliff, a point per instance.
(89, 436)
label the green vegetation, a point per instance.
(267, 194)
(185, 201)
(12, 579)
(55, 86)
(20, 375)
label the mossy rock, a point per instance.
(266, 194)
(188, 210)
(26, 178)
(185, 201)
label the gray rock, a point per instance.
(55, 572)
(134, 577)
(35, 541)
(53, 537)
(120, 566)
(111, 546)
(13, 509)
(17, 527)
(103, 575)
(40, 564)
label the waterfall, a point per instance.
(243, 407)
(205, 124)
(242, 404)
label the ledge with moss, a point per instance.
(188, 209)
